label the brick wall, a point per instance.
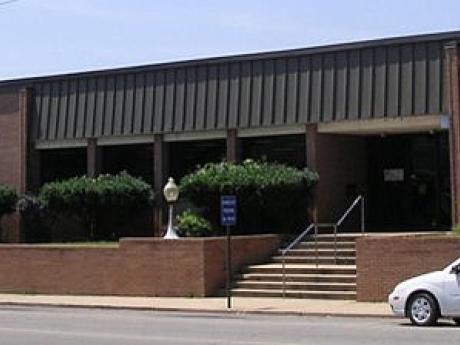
(11, 155)
(137, 267)
(382, 262)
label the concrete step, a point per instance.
(325, 245)
(276, 268)
(264, 285)
(345, 295)
(341, 252)
(346, 237)
(319, 278)
(313, 260)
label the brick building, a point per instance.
(378, 118)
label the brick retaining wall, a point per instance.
(384, 261)
(137, 267)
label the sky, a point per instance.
(43, 37)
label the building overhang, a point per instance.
(383, 126)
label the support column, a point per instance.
(93, 158)
(453, 93)
(25, 99)
(160, 176)
(233, 146)
(311, 159)
(31, 175)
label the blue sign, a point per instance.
(228, 210)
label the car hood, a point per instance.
(430, 278)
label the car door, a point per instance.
(452, 291)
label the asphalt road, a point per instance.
(52, 326)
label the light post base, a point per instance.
(171, 233)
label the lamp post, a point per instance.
(171, 193)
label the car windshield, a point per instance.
(456, 262)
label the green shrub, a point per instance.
(190, 224)
(8, 198)
(93, 200)
(36, 219)
(271, 197)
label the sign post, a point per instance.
(228, 219)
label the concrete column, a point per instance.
(160, 176)
(93, 158)
(311, 158)
(233, 146)
(453, 93)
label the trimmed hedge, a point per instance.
(271, 197)
(92, 201)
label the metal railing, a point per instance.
(316, 227)
(288, 248)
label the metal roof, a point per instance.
(370, 79)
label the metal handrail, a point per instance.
(347, 212)
(316, 226)
(288, 248)
(358, 199)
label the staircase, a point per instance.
(312, 271)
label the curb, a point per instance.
(200, 311)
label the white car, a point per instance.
(428, 297)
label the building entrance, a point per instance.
(408, 182)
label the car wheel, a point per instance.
(457, 321)
(423, 310)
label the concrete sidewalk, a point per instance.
(286, 306)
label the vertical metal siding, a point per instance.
(127, 124)
(354, 85)
(268, 82)
(316, 88)
(380, 81)
(292, 90)
(139, 103)
(90, 108)
(366, 83)
(211, 98)
(328, 96)
(407, 68)
(340, 91)
(62, 115)
(222, 97)
(100, 107)
(257, 93)
(233, 109)
(201, 98)
(159, 101)
(435, 76)
(393, 85)
(168, 116)
(245, 94)
(180, 100)
(304, 89)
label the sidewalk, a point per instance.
(209, 304)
